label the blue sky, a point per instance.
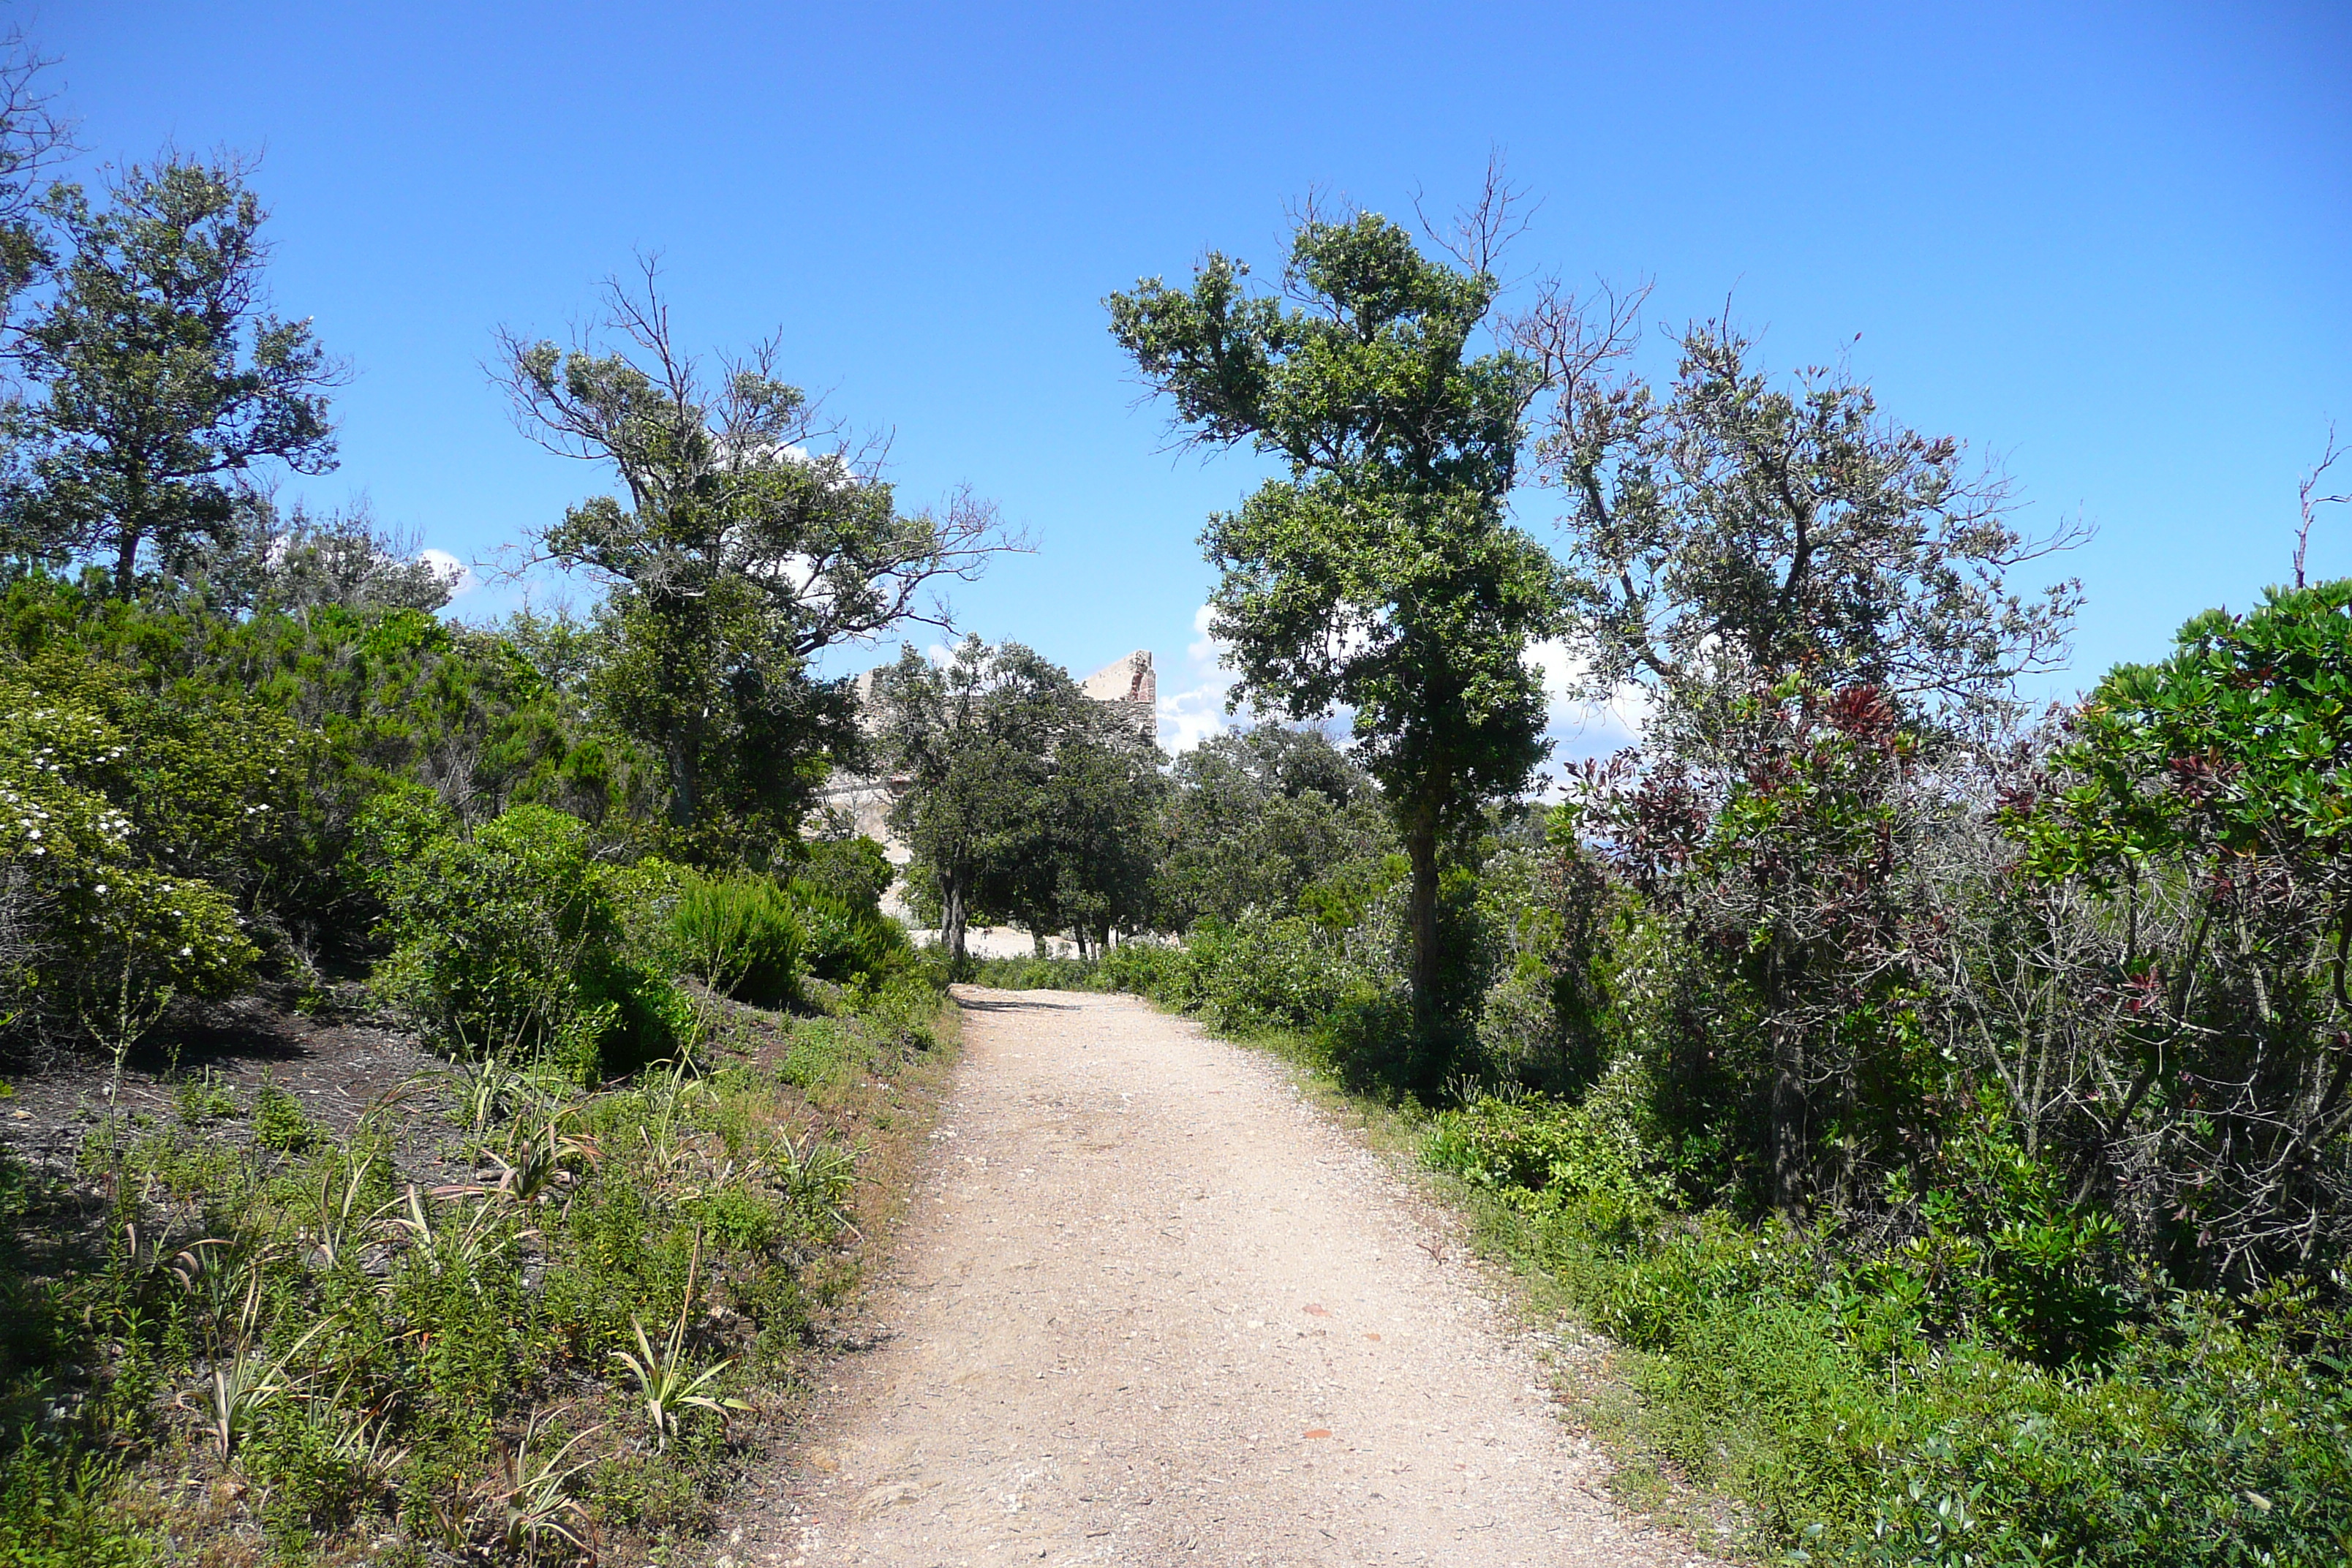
(2111, 246)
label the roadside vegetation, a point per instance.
(450, 1077)
(1947, 1108)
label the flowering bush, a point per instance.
(89, 928)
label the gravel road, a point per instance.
(1152, 1307)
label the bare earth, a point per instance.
(1151, 1307)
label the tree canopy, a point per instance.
(1381, 574)
(1727, 532)
(732, 556)
(165, 381)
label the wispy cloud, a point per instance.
(1578, 726)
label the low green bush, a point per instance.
(1030, 973)
(854, 871)
(280, 1122)
(844, 938)
(900, 1006)
(1261, 972)
(58, 1510)
(508, 941)
(1532, 1151)
(1918, 1403)
(743, 936)
(101, 828)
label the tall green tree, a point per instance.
(974, 741)
(732, 556)
(165, 379)
(1080, 858)
(1381, 573)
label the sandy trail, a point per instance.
(1153, 1308)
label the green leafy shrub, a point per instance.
(97, 932)
(854, 871)
(1142, 968)
(843, 939)
(508, 941)
(645, 895)
(1029, 973)
(1534, 1150)
(58, 1510)
(279, 1122)
(1260, 972)
(1896, 1408)
(743, 936)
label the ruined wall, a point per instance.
(1131, 684)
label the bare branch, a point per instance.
(1483, 229)
(2312, 501)
(1574, 338)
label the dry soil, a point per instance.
(1152, 1305)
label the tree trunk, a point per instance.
(1420, 849)
(126, 564)
(952, 919)
(683, 783)
(1787, 1133)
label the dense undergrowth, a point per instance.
(539, 1299)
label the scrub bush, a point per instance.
(844, 938)
(1260, 972)
(57, 1510)
(509, 941)
(741, 936)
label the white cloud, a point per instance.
(1580, 727)
(1192, 700)
(1192, 703)
(450, 569)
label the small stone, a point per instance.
(888, 1496)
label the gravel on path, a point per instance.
(1153, 1307)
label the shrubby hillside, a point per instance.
(447, 1076)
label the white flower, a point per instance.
(187, 952)
(101, 888)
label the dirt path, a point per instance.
(1153, 1308)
